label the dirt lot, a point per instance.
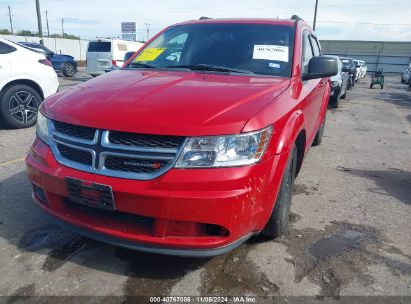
(350, 235)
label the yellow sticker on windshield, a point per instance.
(150, 54)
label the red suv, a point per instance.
(193, 146)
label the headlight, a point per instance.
(224, 151)
(335, 83)
(42, 129)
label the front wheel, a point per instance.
(382, 86)
(278, 222)
(319, 136)
(19, 105)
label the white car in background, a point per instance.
(103, 54)
(357, 69)
(363, 68)
(26, 79)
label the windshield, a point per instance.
(346, 62)
(238, 48)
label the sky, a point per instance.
(376, 20)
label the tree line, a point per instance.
(35, 34)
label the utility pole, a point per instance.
(39, 22)
(11, 21)
(148, 31)
(62, 27)
(315, 14)
(47, 21)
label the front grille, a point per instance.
(75, 131)
(133, 164)
(118, 216)
(75, 155)
(145, 140)
(113, 153)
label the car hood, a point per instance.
(165, 102)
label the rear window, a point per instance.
(99, 46)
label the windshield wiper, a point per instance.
(209, 67)
(141, 65)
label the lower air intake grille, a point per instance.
(119, 216)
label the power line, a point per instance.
(364, 23)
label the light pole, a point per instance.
(47, 22)
(11, 21)
(39, 22)
(315, 14)
(148, 31)
(62, 27)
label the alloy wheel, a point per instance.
(23, 107)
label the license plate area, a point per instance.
(90, 194)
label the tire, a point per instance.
(319, 136)
(334, 101)
(371, 85)
(277, 224)
(402, 80)
(344, 95)
(69, 69)
(382, 87)
(19, 105)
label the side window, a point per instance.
(307, 52)
(6, 49)
(122, 47)
(314, 44)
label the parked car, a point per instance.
(62, 63)
(26, 78)
(108, 53)
(339, 83)
(349, 65)
(357, 69)
(406, 75)
(186, 153)
(363, 68)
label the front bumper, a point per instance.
(181, 205)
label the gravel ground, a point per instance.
(350, 234)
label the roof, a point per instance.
(287, 22)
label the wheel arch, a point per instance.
(27, 82)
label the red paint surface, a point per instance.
(190, 104)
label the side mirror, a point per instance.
(321, 66)
(51, 54)
(128, 55)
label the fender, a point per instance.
(17, 78)
(290, 131)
